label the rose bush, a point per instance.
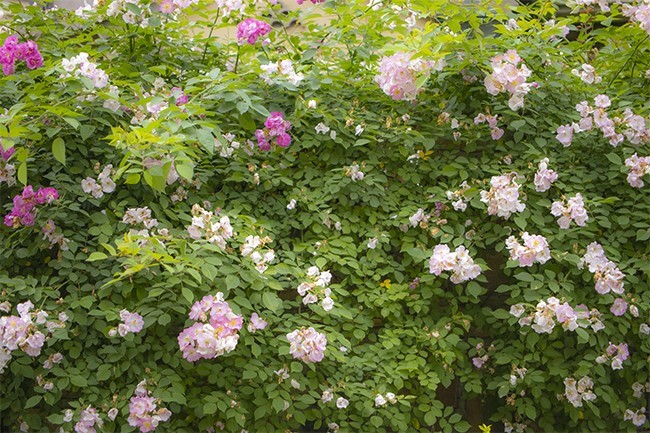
(368, 225)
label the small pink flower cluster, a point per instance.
(639, 167)
(139, 215)
(495, 131)
(479, 361)
(503, 197)
(81, 66)
(587, 74)
(638, 418)
(607, 275)
(216, 330)
(256, 323)
(459, 201)
(354, 172)
(534, 250)
(459, 262)
(316, 287)
(307, 345)
(21, 331)
(639, 13)
(24, 210)
(544, 177)
(170, 6)
(250, 248)
(543, 318)
(105, 184)
(251, 29)
(49, 234)
(229, 6)
(274, 126)
(380, 400)
(398, 75)
(635, 131)
(89, 418)
(7, 171)
(284, 68)
(507, 77)
(616, 354)
(578, 392)
(419, 218)
(180, 96)
(203, 226)
(143, 412)
(619, 307)
(11, 50)
(131, 322)
(574, 210)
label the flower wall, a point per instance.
(333, 230)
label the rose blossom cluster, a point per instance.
(577, 392)
(639, 13)
(227, 148)
(619, 307)
(307, 344)
(534, 249)
(229, 6)
(419, 218)
(482, 355)
(573, 210)
(616, 354)
(459, 262)
(638, 417)
(549, 313)
(503, 197)
(22, 332)
(54, 238)
(491, 120)
(250, 249)
(141, 215)
(587, 74)
(171, 6)
(205, 226)
(341, 403)
(131, 322)
(639, 167)
(544, 177)
(316, 287)
(250, 30)
(284, 68)
(634, 125)
(214, 333)
(143, 412)
(507, 77)
(354, 172)
(24, 209)
(80, 66)
(7, 170)
(607, 275)
(459, 201)
(256, 323)
(398, 75)
(380, 400)
(11, 50)
(88, 421)
(105, 184)
(274, 127)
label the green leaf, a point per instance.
(96, 256)
(188, 294)
(209, 408)
(32, 401)
(58, 150)
(22, 173)
(79, 381)
(271, 301)
(186, 171)
(104, 372)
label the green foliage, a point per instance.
(395, 327)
